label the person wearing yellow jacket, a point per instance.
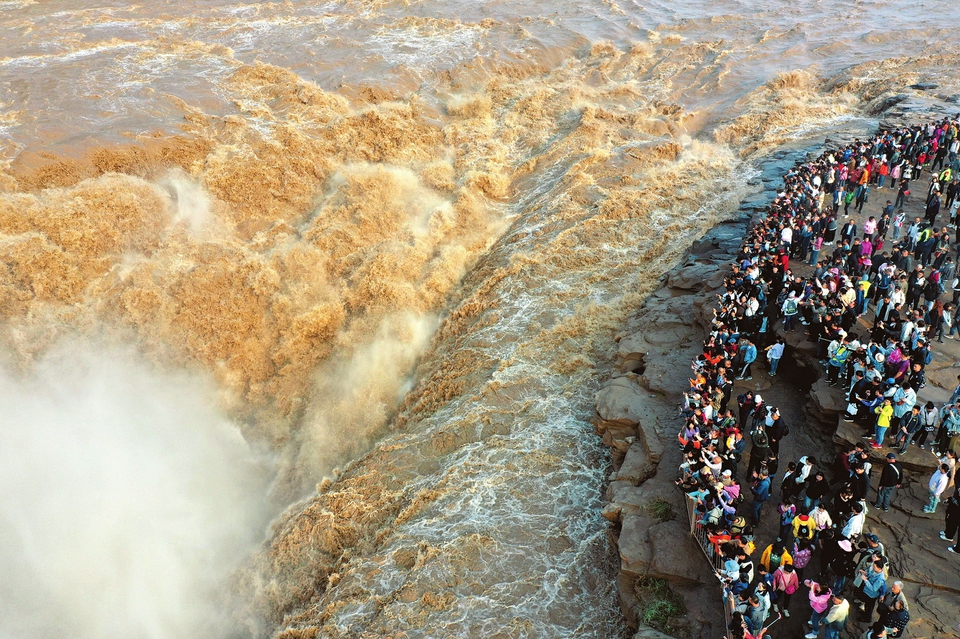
(884, 414)
(774, 556)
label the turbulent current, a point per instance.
(303, 305)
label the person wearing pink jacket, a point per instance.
(785, 583)
(820, 603)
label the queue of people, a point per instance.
(822, 546)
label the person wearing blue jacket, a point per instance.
(749, 357)
(872, 588)
(838, 353)
(761, 493)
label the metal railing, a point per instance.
(711, 550)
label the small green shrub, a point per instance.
(660, 607)
(660, 509)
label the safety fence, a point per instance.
(710, 548)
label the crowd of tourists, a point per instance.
(894, 272)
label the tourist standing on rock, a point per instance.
(929, 414)
(815, 491)
(849, 231)
(872, 586)
(745, 403)
(802, 554)
(761, 493)
(838, 352)
(854, 525)
(820, 597)
(871, 547)
(898, 221)
(895, 619)
(821, 519)
(749, 351)
(830, 235)
(785, 583)
(815, 247)
(950, 459)
(843, 565)
(829, 550)
(740, 628)
(759, 451)
(891, 477)
(790, 309)
(935, 487)
(884, 415)
(787, 511)
(910, 425)
(776, 429)
(952, 517)
(949, 426)
(774, 353)
(836, 619)
(894, 610)
(933, 208)
(860, 483)
(842, 504)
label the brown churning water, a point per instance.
(392, 238)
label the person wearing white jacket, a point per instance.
(836, 617)
(938, 483)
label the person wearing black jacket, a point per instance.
(776, 431)
(910, 425)
(842, 504)
(816, 489)
(827, 543)
(952, 518)
(849, 230)
(759, 451)
(891, 476)
(844, 564)
(745, 405)
(860, 483)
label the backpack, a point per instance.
(791, 307)
(928, 357)
(803, 531)
(759, 438)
